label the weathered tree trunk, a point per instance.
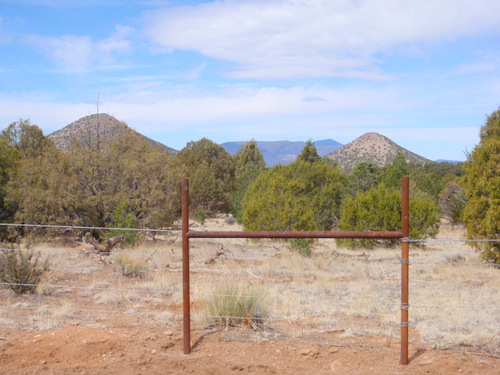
(112, 242)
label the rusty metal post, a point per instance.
(186, 303)
(405, 263)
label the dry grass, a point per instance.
(453, 302)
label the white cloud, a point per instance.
(78, 53)
(196, 72)
(245, 112)
(117, 42)
(294, 38)
(73, 53)
(49, 115)
(5, 36)
(191, 106)
(489, 66)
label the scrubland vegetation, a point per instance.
(268, 289)
(120, 180)
(276, 288)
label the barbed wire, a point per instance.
(475, 307)
(451, 240)
(170, 293)
(91, 288)
(169, 314)
(90, 251)
(88, 227)
(194, 256)
(453, 324)
(485, 264)
(289, 319)
(163, 314)
(90, 310)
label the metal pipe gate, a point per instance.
(403, 234)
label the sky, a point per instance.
(425, 74)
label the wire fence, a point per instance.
(350, 292)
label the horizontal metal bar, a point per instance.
(296, 234)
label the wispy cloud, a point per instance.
(75, 53)
(304, 38)
(490, 65)
(196, 72)
(5, 36)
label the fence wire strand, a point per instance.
(89, 228)
(93, 288)
(82, 251)
(357, 321)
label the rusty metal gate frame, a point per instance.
(403, 234)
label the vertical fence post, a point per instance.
(186, 303)
(405, 253)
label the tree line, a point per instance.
(124, 181)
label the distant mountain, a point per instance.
(283, 152)
(448, 161)
(375, 148)
(90, 126)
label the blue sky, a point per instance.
(423, 73)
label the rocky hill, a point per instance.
(100, 124)
(375, 148)
(283, 152)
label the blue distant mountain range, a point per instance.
(283, 152)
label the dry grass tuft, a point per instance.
(356, 292)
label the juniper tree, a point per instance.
(482, 188)
(211, 172)
(304, 195)
(84, 185)
(379, 208)
(249, 163)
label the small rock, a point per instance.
(313, 351)
(153, 351)
(44, 362)
(333, 350)
(304, 351)
(309, 351)
(168, 333)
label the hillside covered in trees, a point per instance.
(98, 181)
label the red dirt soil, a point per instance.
(142, 350)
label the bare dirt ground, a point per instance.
(335, 313)
(86, 350)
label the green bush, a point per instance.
(481, 214)
(298, 196)
(23, 270)
(210, 169)
(201, 216)
(234, 306)
(303, 246)
(123, 218)
(379, 209)
(249, 163)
